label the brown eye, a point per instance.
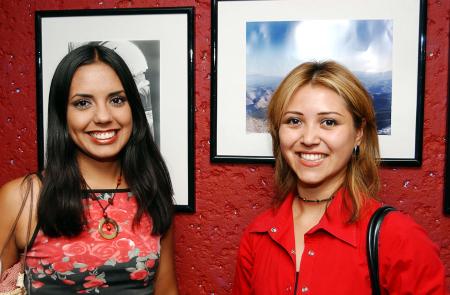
(329, 122)
(118, 100)
(293, 121)
(82, 103)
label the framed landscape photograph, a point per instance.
(255, 44)
(157, 45)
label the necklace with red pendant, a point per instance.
(108, 227)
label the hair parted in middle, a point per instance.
(60, 208)
(362, 180)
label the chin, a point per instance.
(102, 157)
(107, 159)
(311, 180)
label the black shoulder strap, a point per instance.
(373, 231)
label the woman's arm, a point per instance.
(409, 260)
(10, 203)
(166, 281)
(12, 195)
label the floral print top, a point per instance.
(91, 264)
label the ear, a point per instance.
(360, 132)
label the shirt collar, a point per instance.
(334, 221)
(275, 218)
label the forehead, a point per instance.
(316, 98)
(93, 69)
(96, 75)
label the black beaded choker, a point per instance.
(315, 201)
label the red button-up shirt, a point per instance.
(334, 259)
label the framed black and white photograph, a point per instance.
(157, 44)
(255, 44)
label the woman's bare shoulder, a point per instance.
(10, 203)
(13, 192)
(10, 193)
(12, 197)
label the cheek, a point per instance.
(77, 124)
(342, 143)
(125, 120)
(129, 131)
(127, 124)
(73, 124)
(74, 134)
(287, 137)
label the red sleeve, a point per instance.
(409, 261)
(244, 267)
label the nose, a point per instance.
(310, 135)
(102, 114)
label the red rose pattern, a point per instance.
(37, 284)
(135, 252)
(104, 251)
(93, 282)
(74, 249)
(62, 266)
(150, 263)
(68, 282)
(139, 274)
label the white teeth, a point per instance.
(312, 157)
(103, 135)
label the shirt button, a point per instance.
(305, 289)
(311, 253)
(273, 229)
(293, 252)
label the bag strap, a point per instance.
(27, 279)
(373, 231)
(30, 217)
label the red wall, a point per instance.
(227, 196)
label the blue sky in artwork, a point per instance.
(275, 47)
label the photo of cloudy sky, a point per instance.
(274, 48)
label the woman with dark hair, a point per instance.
(102, 220)
(313, 240)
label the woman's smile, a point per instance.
(103, 137)
(317, 135)
(99, 117)
(311, 159)
(312, 156)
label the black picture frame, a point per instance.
(164, 35)
(229, 141)
(446, 203)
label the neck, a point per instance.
(317, 193)
(316, 196)
(97, 174)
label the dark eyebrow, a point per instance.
(91, 96)
(82, 95)
(116, 92)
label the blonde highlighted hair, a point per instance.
(362, 180)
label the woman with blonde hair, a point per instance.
(313, 240)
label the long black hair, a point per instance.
(60, 207)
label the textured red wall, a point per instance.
(227, 196)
